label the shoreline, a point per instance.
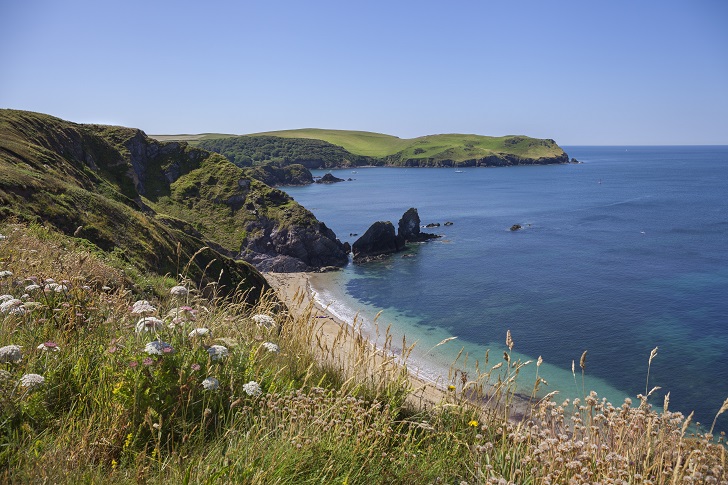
(295, 291)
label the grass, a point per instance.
(454, 147)
(115, 407)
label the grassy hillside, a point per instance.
(356, 142)
(189, 388)
(151, 204)
(431, 150)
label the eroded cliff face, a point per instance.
(170, 183)
(292, 248)
(497, 160)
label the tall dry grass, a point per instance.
(128, 398)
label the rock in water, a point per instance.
(329, 179)
(409, 227)
(380, 239)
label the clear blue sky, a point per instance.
(581, 72)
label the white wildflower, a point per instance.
(31, 288)
(5, 273)
(2, 237)
(105, 288)
(217, 352)
(49, 347)
(182, 313)
(200, 332)
(142, 307)
(51, 287)
(12, 306)
(149, 324)
(157, 347)
(60, 288)
(10, 353)
(252, 388)
(270, 347)
(4, 298)
(264, 320)
(210, 384)
(179, 291)
(31, 381)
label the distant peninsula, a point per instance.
(319, 148)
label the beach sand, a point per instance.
(294, 290)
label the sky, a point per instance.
(616, 72)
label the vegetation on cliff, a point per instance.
(98, 386)
(364, 148)
(144, 199)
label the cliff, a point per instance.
(141, 198)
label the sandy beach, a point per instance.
(294, 290)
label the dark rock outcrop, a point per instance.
(516, 227)
(379, 240)
(409, 228)
(292, 248)
(329, 179)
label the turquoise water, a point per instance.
(618, 255)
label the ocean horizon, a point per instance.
(622, 253)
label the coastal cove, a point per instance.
(618, 255)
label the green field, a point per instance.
(454, 147)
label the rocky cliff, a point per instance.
(120, 189)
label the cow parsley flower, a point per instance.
(4, 298)
(49, 347)
(270, 347)
(149, 324)
(210, 384)
(252, 388)
(10, 353)
(179, 291)
(12, 306)
(217, 352)
(263, 320)
(142, 307)
(32, 381)
(5, 273)
(200, 332)
(157, 347)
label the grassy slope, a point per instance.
(455, 147)
(111, 411)
(78, 179)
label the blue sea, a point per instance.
(620, 254)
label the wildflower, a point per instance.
(149, 324)
(12, 306)
(217, 352)
(473, 423)
(10, 353)
(148, 361)
(157, 347)
(183, 313)
(60, 288)
(2, 237)
(195, 367)
(49, 347)
(263, 320)
(4, 298)
(5, 375)
(210, 384)
(142, 307)
(252, 388)
(270, 347)
(105, 288)
(178, 291)
(5, 273)
(450, 387)
(200, 332)
(133, 363)
(32, 381)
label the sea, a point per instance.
(618, 255)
